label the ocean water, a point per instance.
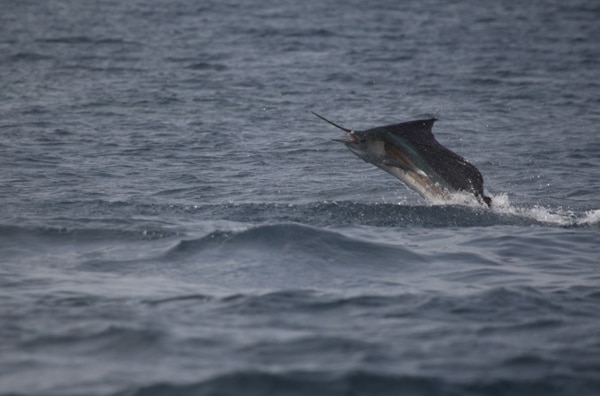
(175, 221)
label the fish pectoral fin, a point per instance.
(404, 166)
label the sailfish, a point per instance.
(410, 152)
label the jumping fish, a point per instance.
(410, 152)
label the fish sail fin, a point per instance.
(418, 131)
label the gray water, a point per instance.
(174, 221)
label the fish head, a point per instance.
(368, 145)
(364, 144)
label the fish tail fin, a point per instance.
(487, 200)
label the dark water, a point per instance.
(174, 221)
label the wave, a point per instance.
(297, 383)
(362, 382)
(82, 234)
(295, 231)
(295, 242)
(29, 57)
(81, 40)
(503, 303)
(158, 220)
(397, 215)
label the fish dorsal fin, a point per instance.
(418, 131)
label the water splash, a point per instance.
(554, 216)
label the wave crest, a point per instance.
(294, 241)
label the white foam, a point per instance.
(555, 216)
(501, 204)
(591, 217)
(463, 199)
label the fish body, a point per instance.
(410, 152)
